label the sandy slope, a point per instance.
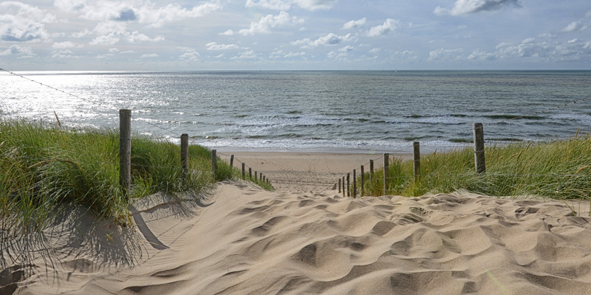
(249, 241)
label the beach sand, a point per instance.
(240, 239)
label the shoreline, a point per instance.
(394, 150)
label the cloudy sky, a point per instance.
(157, 35)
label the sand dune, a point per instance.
(243, 240)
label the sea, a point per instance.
(311, 111)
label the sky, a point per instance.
(155, 35)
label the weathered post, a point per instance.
(362, 182)
(232, 162)
(243, 171)
(214, 163)
(386, 167)
(348, 184)
(370, 170)
(185, 154)
(256, 176)
(344, 193)
(250, 173)
(339, 185)
(125, 151)
(479, 148)
(354, 184)
(417, 159)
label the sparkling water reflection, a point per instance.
(313, 110)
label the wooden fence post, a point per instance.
(417, 159)
(362, 183)
(386, 167)
(354, 184)
(479, 148)
(250, 173)
(256, 176)
(214, 163)
(185, 154)
(125, 151)
(231, 162)
(344, 195)
(370, 170)
(339, 185)
(243, 171)
(348, 184)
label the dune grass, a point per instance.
(43, 167)
(557, 169)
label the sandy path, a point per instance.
(240, 239)
(256, 242)
(306, 172)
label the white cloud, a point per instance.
(189, 54)
(246, 55)
(216, 46)
(527, 48)
(341, 54)
(473, 6)
(110, 39)
(70, 5)
(405, 55)
(110, 33)
(135, 36)
(265, 24)
(445, 54)
(545, 50)
(337, 55)
(346, 49)
(66, 44)
(144, 12)
(81, 34)
(110, 11)
(277, 52)
(375, 51)
(315, 4)
(294, 54)
(482, 55)
(269, 4)
(63, 54)
(354, 23)
(330, 39)
(576, 26)
(21, 22)
(174, 12)
(388, 26)
(150, 55)
(311, 5)
(17, 50)
(227, 33)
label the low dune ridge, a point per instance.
(244, 240)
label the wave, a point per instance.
(514, 117)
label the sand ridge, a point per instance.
(250, 241)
